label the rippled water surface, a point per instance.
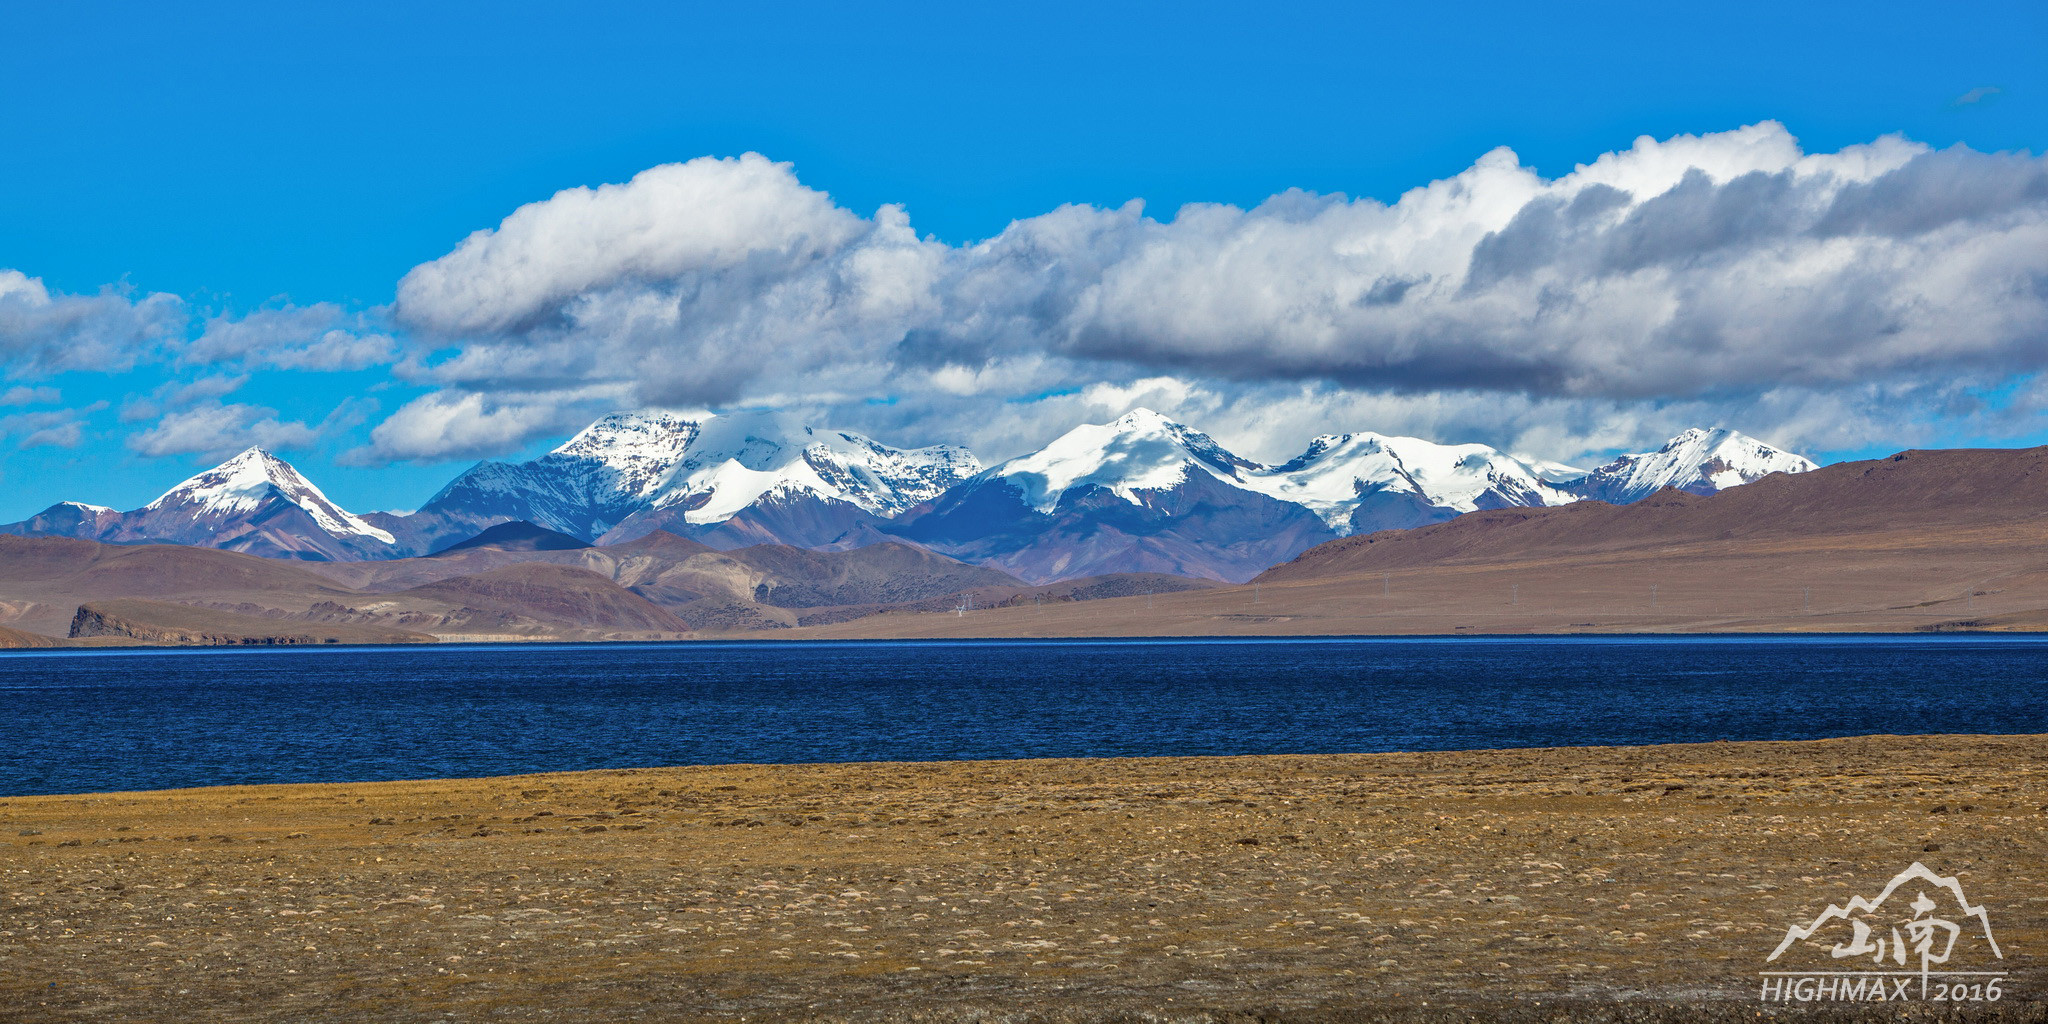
(76, 721)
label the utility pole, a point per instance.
(1653, 595)
(1807, 599)
(1386, 584)
(1514, 593)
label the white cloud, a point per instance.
(24, 395)
(442, 425)
(321, 336)
(214, 430)
(707, 217)
(58, 435)
(48, 428)
(1699, 272)
(693, 283)
(43, 332)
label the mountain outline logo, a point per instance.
(1900, 948)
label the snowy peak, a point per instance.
(247, 484)
(254, 503)
(1364, 481)
(1697, 460)
(1350, 481)
(1140, 451)
(1339, 473)
(636, 450)
(736, 461)
(692, 470)
(584, 487)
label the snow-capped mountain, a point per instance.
(254, 503)
(605, 473)
(1358, 483)
(727, 479)
(1135, 458)
(1146, 493)
(68, 519)
(1142, 494)
(1699, 461)
(763, 478)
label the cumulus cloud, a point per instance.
(443, 425)
(44, 332)
(1694, 272)
(691, 283)
(703, 217)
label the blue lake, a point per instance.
(74, 721)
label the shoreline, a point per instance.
(1592, 883)
(798, 636)
(1017, 762)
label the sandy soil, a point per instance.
(1582, 884)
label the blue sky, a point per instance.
(244, 157)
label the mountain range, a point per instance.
(1920, 541)
(1942, 540)
(1143, 494)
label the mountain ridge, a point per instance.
(1142, 493)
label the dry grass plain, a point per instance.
(1630, 884)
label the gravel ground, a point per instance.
(1619, 884)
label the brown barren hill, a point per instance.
(1919, 541)
(174, 594)
(162, 622)
(43, 580)
(22, 638)
(542, 592)
(887, 573)
(1931, 495)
